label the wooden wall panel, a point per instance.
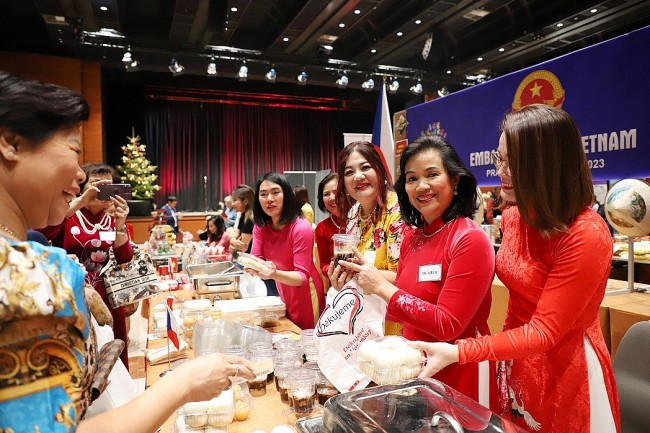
(84, 78)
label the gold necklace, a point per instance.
(436, 232)
(367, 218)
(8, 230)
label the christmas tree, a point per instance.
(137, 169)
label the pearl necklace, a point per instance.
(436, 232)
(90, 228)
(338, 227)
(8, 230)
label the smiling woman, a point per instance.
(372, 211)
(442, 288)
(43, 310)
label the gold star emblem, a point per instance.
(535, 90)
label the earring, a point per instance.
(10, 154)
(455, 189)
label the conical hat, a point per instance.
(627, 207)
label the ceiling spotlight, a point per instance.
(176, 68)
(393, 86)
(302, 78)
(368, 84)
(212, 68)
(343, 80)
(242, 74)
(130, 64)
(444, 91)
(271, 75)
(417, 88)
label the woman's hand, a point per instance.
(237, 245)
(120, 213)
(338, 275)
(439, 355)
(368, 277)
(267, 274)
(208, 375)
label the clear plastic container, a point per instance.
(389, 360)
(301, 386)
(218, 412)
(419, 406)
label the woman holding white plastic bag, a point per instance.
(446, 268)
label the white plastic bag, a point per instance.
(350, 318)
(251, 286)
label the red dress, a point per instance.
(93, 254)
(324, 232)
(556, 286)
(455, 303)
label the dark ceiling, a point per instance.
(385, 38)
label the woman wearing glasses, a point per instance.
(555, 258)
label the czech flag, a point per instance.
(382, 133)
(172, 325)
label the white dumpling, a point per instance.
(366, 350)
(393, 343)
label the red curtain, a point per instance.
(232, 143)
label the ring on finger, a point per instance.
(237, 368)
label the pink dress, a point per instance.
(556, 286)
(292, 249)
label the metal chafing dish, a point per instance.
(216, 281)
(417, 406)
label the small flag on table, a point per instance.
(172, 324)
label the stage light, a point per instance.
(417, 88)
(271, 75)
(368, 84)
(444, 91)
(393, 86)
(302, 78)
(176, 68)
(242, 74)
(212, 68)
(343, 80)
(130, 64)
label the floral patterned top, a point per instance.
(383, 238)
(47, 351)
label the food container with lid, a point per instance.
(415, 406)
(389, 360)
(211, 336)
(218, 412)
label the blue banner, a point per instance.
(604, 87)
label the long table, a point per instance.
(268, 410)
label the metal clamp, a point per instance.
(451, 421)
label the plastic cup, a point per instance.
(343, 245)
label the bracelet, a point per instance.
(121, 231)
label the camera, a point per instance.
(113, 189)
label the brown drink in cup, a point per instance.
(343, 245)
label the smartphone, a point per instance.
(113, 189)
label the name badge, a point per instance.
(107, 236)
(430, 273)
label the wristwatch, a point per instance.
(121, 231)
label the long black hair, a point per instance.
(290, 206)
(462, 204)
(220, 226)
